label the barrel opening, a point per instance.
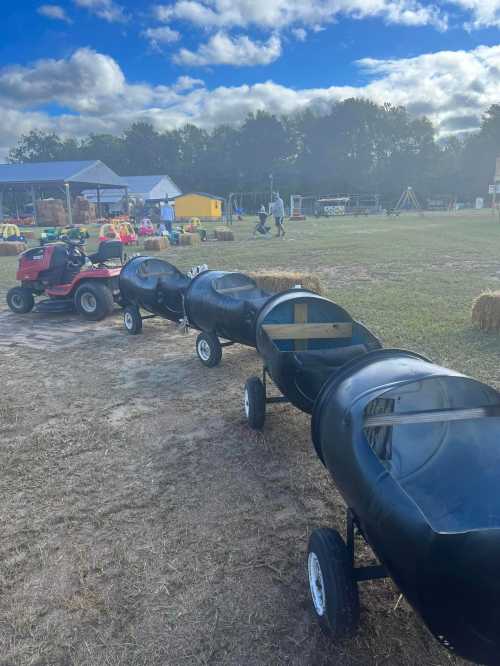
(439, 438)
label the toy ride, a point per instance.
(146, 228)
(70, 279)
(127, 233)
(108, 232)
(80, 234)
(10, 232)
(303, 339)
(413, 449)
(49, 235)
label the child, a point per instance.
(262, 227)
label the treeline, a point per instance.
(357, 147)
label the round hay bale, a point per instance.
(189, 239)
(276, 281)
(224, 234)
(11, 248)
(156, 243)
(486, 311)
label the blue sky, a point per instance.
(96, 65)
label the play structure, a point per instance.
(296, 212)
(407, 201)
(59, 271)
(413, 449)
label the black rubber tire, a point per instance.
(209, 349)
(104, 303)
(20, 300)
(339, 598)
(132, 320)
(255, 403)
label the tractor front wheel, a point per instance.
(94, 301)
(20, 300)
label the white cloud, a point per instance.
(222, 49)
(484, 12)
(300, 34)
(55, 12)
(452, 87)
(184, 83)
(162, 35)
(83, 82)
(104, 9)
(278, 14)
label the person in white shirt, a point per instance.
(278, 210)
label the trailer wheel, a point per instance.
(334, 592)
(132, 320)
(255, 403)
(20, 300)
(209, 349)
(94, 301)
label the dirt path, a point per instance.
(144, 523)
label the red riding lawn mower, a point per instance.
(71, 279)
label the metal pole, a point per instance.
(98, 202)
(1, 206)
(33, 201)
(127, 203)
(68, 204)
(271, 182)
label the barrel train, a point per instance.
(412, 447)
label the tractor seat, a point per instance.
(109, 249)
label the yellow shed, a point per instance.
(198, 204)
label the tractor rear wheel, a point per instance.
(94, 301)
(20, 300)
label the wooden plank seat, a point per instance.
(309, 331)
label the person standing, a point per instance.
(278, 210)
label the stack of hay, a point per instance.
(28, 233)
(11, 248)
(156, 243)
(486, 311)
(83, 211)
(276, 281)
(189, 239)
(51, 213)
(224, 234)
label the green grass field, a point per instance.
(411, 279)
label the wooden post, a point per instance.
(127, 203)
(33, 201)
(68, 204)
(99, 203)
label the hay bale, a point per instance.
(28, 233)
(189, 239)
(51, 213)
(276, 281)
(224, 234)
(486, 311)
(155, 243)
(11, 248)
